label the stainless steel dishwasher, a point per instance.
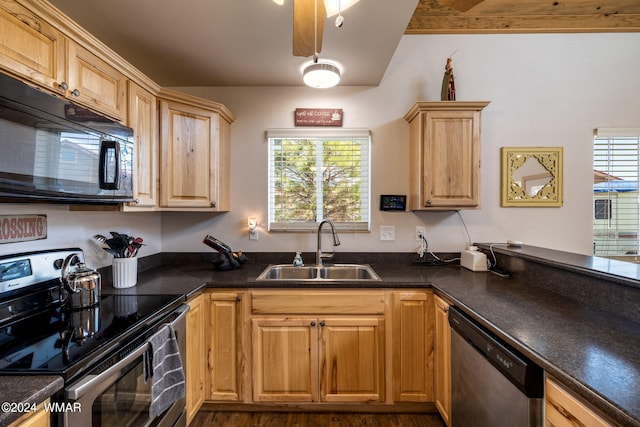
(492, 385)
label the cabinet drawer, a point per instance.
(563, 409)
(317, 302)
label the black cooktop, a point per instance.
(63, 342)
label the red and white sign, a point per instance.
(318, 117)
(22, 228)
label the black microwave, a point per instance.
(54, 150)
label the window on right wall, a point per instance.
(616, 216)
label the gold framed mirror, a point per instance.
(531, 176)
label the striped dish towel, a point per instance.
(167, 383)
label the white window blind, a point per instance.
(317, 174)
(616, 217)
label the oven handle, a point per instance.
(90, 381)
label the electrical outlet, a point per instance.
(420, 232)
(387, 232)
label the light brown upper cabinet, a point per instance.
(30, 48)
(143, 118)
(33, 50)
(95, 83)
(444, 155)
(194, 153)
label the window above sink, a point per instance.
(319, 173)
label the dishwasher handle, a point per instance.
(521, 371)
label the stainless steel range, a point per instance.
(103, 351)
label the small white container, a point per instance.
(125, 272)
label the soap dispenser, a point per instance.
(297, 260)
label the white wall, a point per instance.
(548, 90)
(76, 229)
(544, 90)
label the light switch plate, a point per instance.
(387, 232)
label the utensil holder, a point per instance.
(125, 272)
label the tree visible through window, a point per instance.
(313, 177)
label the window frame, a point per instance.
(317, 133)
(615, 235)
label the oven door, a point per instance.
(121, 395)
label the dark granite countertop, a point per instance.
(591, 351)
(25, 390)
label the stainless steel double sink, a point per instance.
(319, 273)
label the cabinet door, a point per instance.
(444, 165)
(143, 119)
(225, 359)
(412, 346)
(352, 359)
(31, 48)
(442, 374)
(189, 154)
(285, 359)
(94, 83)
(195, 372)
(451, 158)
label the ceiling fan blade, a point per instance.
(460, 5)
(305, 17)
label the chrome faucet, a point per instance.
(336, 241)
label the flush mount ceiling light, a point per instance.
(321, 75)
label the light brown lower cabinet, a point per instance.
(285, 361)
(333, 352)
(412, 346)
(562, 409)
(225, 356)
(194, 371)
(319, 346)
(39, 418)
(442, 359)
(318, 360)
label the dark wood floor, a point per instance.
(313, 419)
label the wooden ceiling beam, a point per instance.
(527, 16)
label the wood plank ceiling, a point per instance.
(524, 16)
